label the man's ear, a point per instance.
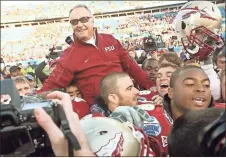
(170, 93)
(113, 98)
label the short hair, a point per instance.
(80, 6)
(108, 84)
(183, 138)
(164, 65)
(170, 57)
(146, 61)
(177, 73)
(21, 79)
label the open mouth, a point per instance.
(199, 100)
(164, 85)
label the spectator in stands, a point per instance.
(15, 71)
(142, 57)
(133, 55)
(150, 66)
(183, 138)
(22, 85)
(170, 58)
(73, 90)
(105, 55)
(39, 69)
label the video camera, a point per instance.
(55, 52)
(152, 44)
(213, 137)
(21, 135)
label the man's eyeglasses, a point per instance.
(82, 20)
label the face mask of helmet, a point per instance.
(195, 24)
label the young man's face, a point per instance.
(23, 88)
(163, 79)
(127, 93)
(151, 68)
(191, 91)
(82, 30)
(73, 91)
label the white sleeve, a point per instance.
(214, 81)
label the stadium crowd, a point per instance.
(135, 70)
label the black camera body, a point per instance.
(20, 133)
(55, 52)
(153, 44)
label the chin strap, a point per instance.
(73, 143)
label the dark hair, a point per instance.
(146, 61)
(108, 84)
(2, 61)
(183, 138)
(170, 57)
(177, 73)
(72, 83)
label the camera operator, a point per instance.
(39, 69)
(56, 136)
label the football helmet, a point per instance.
(196, 25)
(108, 137)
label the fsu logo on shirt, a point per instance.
(109, 48)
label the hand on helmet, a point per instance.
(134, 115)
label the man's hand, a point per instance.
(56, 136)
(157, 99)
(134, 115)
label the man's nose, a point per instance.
(199, 88)
(80, 24)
